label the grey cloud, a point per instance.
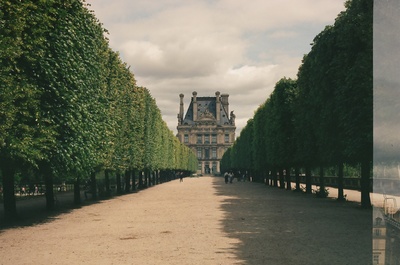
(386, 81)
(176, 46)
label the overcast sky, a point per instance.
(386, 82)
(237, 47)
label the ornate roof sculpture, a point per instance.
(205, 109)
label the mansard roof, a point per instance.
(206, 111)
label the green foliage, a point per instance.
(26, 136)
(259, 138)
(226, 159)
(68, 103)
(279, 124)
(324, 118)
(246, 154)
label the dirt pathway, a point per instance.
(200, 221)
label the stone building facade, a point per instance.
(208, 128)
(378, 238)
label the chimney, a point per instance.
(194, 99)
(225, 104)
(217, 107)
(180, 115)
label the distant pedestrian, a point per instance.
(231, 176)
(226, 176)
(181, 176)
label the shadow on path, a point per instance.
(32, 210)
(276, 226)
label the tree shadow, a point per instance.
(275, 226)
(32, 211)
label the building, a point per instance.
(208, 128)
(378, 238)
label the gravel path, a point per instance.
(199, 221)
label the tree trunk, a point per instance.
(93, 185)
(297, 173)
(147, 178)
(161, 176)
(266, 176)
(107, 182)
(127, 181)
(77, 191)
(48, 180)
(151, 178)
(281, 179)
(322, 192)
(308, 180)
(158, 177)
(365, 184)
(288, 180)
(133, 180)
(10, 206)
(119, 190)
(140, 179)
(275, 177)
(271, 178)
(340, 183)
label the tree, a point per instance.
(281, 145)
(355, 96)
(27, 135)
(259, 141)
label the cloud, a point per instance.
(232, 46)
(191, 58)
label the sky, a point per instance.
(386, 82)
(237, 47)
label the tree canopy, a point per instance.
(69, 106)
(324, 118)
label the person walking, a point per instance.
(231, 176)
(181, 176)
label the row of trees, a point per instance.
(69, 106)
(324, 118)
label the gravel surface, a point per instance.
(198, 221)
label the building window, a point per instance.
(207, 153)
(186, 138)
(199, 139)
(214, 139)
(376, 259)
(199, 165)
(226, 138)
(214, 153)
(214, 167)
(207, 168)
(206, 138)
(199, 153)
(377, 232)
